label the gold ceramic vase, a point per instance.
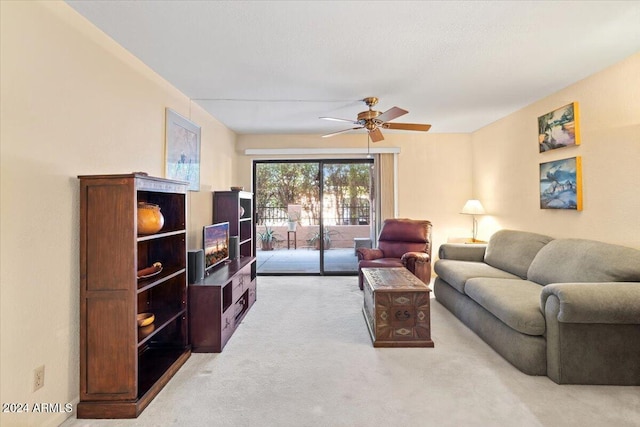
(150, 219)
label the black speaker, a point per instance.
(234, 247)
(195, 265)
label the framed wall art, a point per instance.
(559, 128)
(182, 157)
(561, 184)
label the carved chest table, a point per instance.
(396, 308)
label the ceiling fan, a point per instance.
(373, 121)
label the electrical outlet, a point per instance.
(38, 378)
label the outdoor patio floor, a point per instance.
(306, 261)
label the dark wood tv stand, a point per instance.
(218, 304)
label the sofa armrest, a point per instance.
(462, 252)
(415, 257)
(369, 254)
(593, 332)
(418, 263)
(602, 302)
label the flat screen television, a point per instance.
(216, 244)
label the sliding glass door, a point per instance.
(311, 215)
(287, 201)
(346, 213)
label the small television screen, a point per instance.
(216, 244)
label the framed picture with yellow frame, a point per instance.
(559, 128)
(561, 184)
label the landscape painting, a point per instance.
(182, 150)
(559, 128)
(561, 184)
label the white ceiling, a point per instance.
(276, 66)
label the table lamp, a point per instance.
(473, 207)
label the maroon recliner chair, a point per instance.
(402, 243)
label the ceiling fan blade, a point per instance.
(341, 131)
(376, 135)
(391, 113)
(407, 126)
(335, 119)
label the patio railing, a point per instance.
(347, 214)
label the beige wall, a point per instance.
(506, 162)
(434, 182)
(73, 102)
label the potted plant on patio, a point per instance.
(268, 237)
(293, 218)
(314, 239)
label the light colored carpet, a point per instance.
(303, 357)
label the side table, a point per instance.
(295, 240)
(361, 242)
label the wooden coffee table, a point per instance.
(396, 308)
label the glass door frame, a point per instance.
(321, 163)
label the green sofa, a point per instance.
(565, 308)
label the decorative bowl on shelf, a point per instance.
(145, 319)
(150, 219)
(146, 330)
(145, 273)
(237, 188)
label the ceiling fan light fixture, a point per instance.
(370, 101)
(373, 121)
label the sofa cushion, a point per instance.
(513, 251)
(515, 302)
(580, 260)
(456, 273)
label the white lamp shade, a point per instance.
(473, 207)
